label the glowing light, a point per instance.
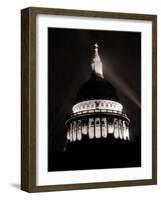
(91, 128)
(97, 64)
(116, 130)
(104, 127)
(95, 125)
(84, 129)
(97, 128)
(101, 104)
(110, 128)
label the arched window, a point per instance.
(92, 123)
(97, 104)
(97, 122)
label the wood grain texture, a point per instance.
(28, 98)
(24, 100)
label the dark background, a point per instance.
(70, 53)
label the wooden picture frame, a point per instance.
(28, 98)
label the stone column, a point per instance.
(127, 136)
(124, 129)
(94, 128)
(74, 131)
(71, 131)
(91, 128)
(79, 133)
(120, 132)
(104, 128)
(116, 133)
(110, 128)
(68, 135)
(98, 127)
(101, 125)
(85, 127)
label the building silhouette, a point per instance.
(97, 111)
(97, 130)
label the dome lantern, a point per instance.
(97, 63)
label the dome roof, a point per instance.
(96, 88)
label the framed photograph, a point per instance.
(89, 99)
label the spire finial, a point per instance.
(96, 48)
(96, 45)
(97, 64)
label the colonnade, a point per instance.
(98, 127)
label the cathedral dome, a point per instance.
(96, 88)
(97, 112)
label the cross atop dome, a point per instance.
(97, 64)
(96, 48)
(96, 45)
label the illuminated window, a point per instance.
(97, 122)
(92, 123)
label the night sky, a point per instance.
(70, 53)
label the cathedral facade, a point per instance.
(97, 111)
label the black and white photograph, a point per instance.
(88, 99)
(94, 99)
